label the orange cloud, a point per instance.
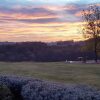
(16, 31)
(39, 26)
(80, 13)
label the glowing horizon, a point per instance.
(41, 20)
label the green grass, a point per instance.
(56, 71)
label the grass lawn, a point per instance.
(55, 71)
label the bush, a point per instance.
(15, 84)
(34, 89)
(5, 93)
(51, 91)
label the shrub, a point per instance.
(5, 93)
(34, 89)
(53, 91)
(15, 84)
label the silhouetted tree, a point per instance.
(91, 28)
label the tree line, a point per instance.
(42, 52)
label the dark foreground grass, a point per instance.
(57, 71)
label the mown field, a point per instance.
(55, 71)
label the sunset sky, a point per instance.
(41, 20)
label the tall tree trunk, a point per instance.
(95, 50)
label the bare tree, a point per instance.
(91, 28)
